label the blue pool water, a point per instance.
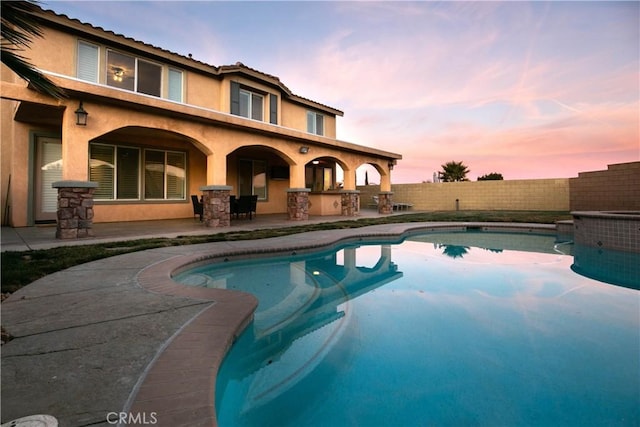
(441, 329)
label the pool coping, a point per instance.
(178, 386)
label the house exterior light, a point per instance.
(81, 116)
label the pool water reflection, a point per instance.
(441, 329)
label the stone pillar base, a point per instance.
(350, 203)
(216, 211)
(298, 204)
(75, 209)
(385, 203)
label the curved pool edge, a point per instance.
(179, 383)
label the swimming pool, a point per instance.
(440, 329)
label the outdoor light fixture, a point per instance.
(81, 116)
(304, 149)
(391, 165)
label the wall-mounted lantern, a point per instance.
(304, 149)
(81, 116)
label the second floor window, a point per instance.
(315, 123)
(251, 105)
(88, 59)
(130, 73)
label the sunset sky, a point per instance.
(526, 89)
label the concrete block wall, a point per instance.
(617, 188)
(536, 194)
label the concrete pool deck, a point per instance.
(119, 336)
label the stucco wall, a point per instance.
(617, 188)
(538, 194)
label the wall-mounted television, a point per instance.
(279, 172)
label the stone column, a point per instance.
(215, 205)
(350, 202)
(298, 204)
(75, 209)
(385, 202)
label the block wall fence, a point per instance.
(617, 188)
(517, 195)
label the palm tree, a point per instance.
(454, 171)
(19, 25)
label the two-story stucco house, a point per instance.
(162, 127)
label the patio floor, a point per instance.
(43, 236)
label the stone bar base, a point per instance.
(216, 210)
(350, 203)
(75, 209)
(385, 203)
(298, 204)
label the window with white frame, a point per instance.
(251, 105)
(134, 74)
(88, 60)
(247, 103)
(117, 170)
(127, 72)
(315, 123)
(175, 85)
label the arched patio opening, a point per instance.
(260, 171)
(374, 181)
(324, 174)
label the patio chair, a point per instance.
(233, 206)
(246, 205)
(374, 202)
(197, 206)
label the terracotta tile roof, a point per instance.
(238, 67)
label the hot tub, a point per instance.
(617, 230)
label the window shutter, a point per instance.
(273, 109)
(87, 62)
(235, 98)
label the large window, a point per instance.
(252, 178)
(117, 171)
(315, 123)
(128, 72)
